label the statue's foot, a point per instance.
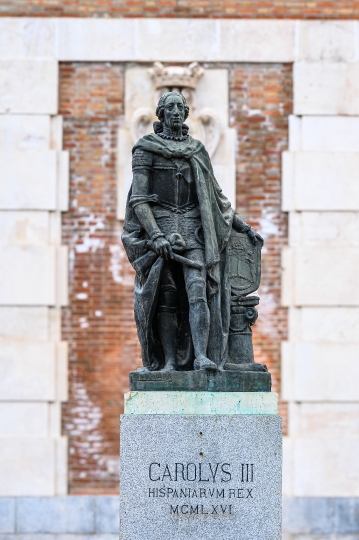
(204, 363)
(143, 369)
(169, 366)
(245, 367)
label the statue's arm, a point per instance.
(141, 188)
(241, 226)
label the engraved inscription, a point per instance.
(195, 489)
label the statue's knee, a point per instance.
(196, 290)
(167, 299)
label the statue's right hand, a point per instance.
(163, 248)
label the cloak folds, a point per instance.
(216, 217)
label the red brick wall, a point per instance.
(260, 102)
(270, 9)
(98, 324)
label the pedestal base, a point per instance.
(206, 477)
(211, 381)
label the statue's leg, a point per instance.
(199, 317)
(167, 318)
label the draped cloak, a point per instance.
(216, 217)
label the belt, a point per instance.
(178, 209)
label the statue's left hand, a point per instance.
(253, 236)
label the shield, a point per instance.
(244, 263)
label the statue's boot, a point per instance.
(167, 329)
(204, 363)
(199, 321)
(245, 367)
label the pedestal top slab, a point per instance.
(202, 381)
(201, 403)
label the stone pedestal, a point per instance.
(201, 476)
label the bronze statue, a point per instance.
(195, 259)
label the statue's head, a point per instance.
(172, 110)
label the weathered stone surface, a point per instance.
(205, 381)
(204, 502)
(201, 403)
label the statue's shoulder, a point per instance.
(147, 143)
(198, 146)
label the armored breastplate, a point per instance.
(173, 182)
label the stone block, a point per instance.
(336, 267)
(288, 464)
(27, 228)
(324, 324)
(24, 323)
(56, 515)
(33, 178)
(308, 515)
(287, 266)
(333, 41)
(288, 181)
(25, 37)
(20, 91)
(24, 419)
(202, 40)
(194, 403)
(61, 466)
(321, 181)
(199, 503)
(78, 39)
(62, 371)
(24, 132)
(326, 467)
(28, 275)
(63, 177)
(206, 40)
(324, 133)
(56, 133)
(224, 164)
(62, 276)
(295, 132)
(346, 515)
(27, 371)
(323, 229)
(242, 40)
(304, 364)
(7, 515)
(55, 229)
(326, 88)
(27, 468)
(107, 514)
(330, 420)
(212, 92)
(55, 324)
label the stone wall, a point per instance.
(97, 518)
(319, 286)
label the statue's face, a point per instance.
(174, 113)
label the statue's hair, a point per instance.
(162, 103)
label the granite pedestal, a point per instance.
(209, 476)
